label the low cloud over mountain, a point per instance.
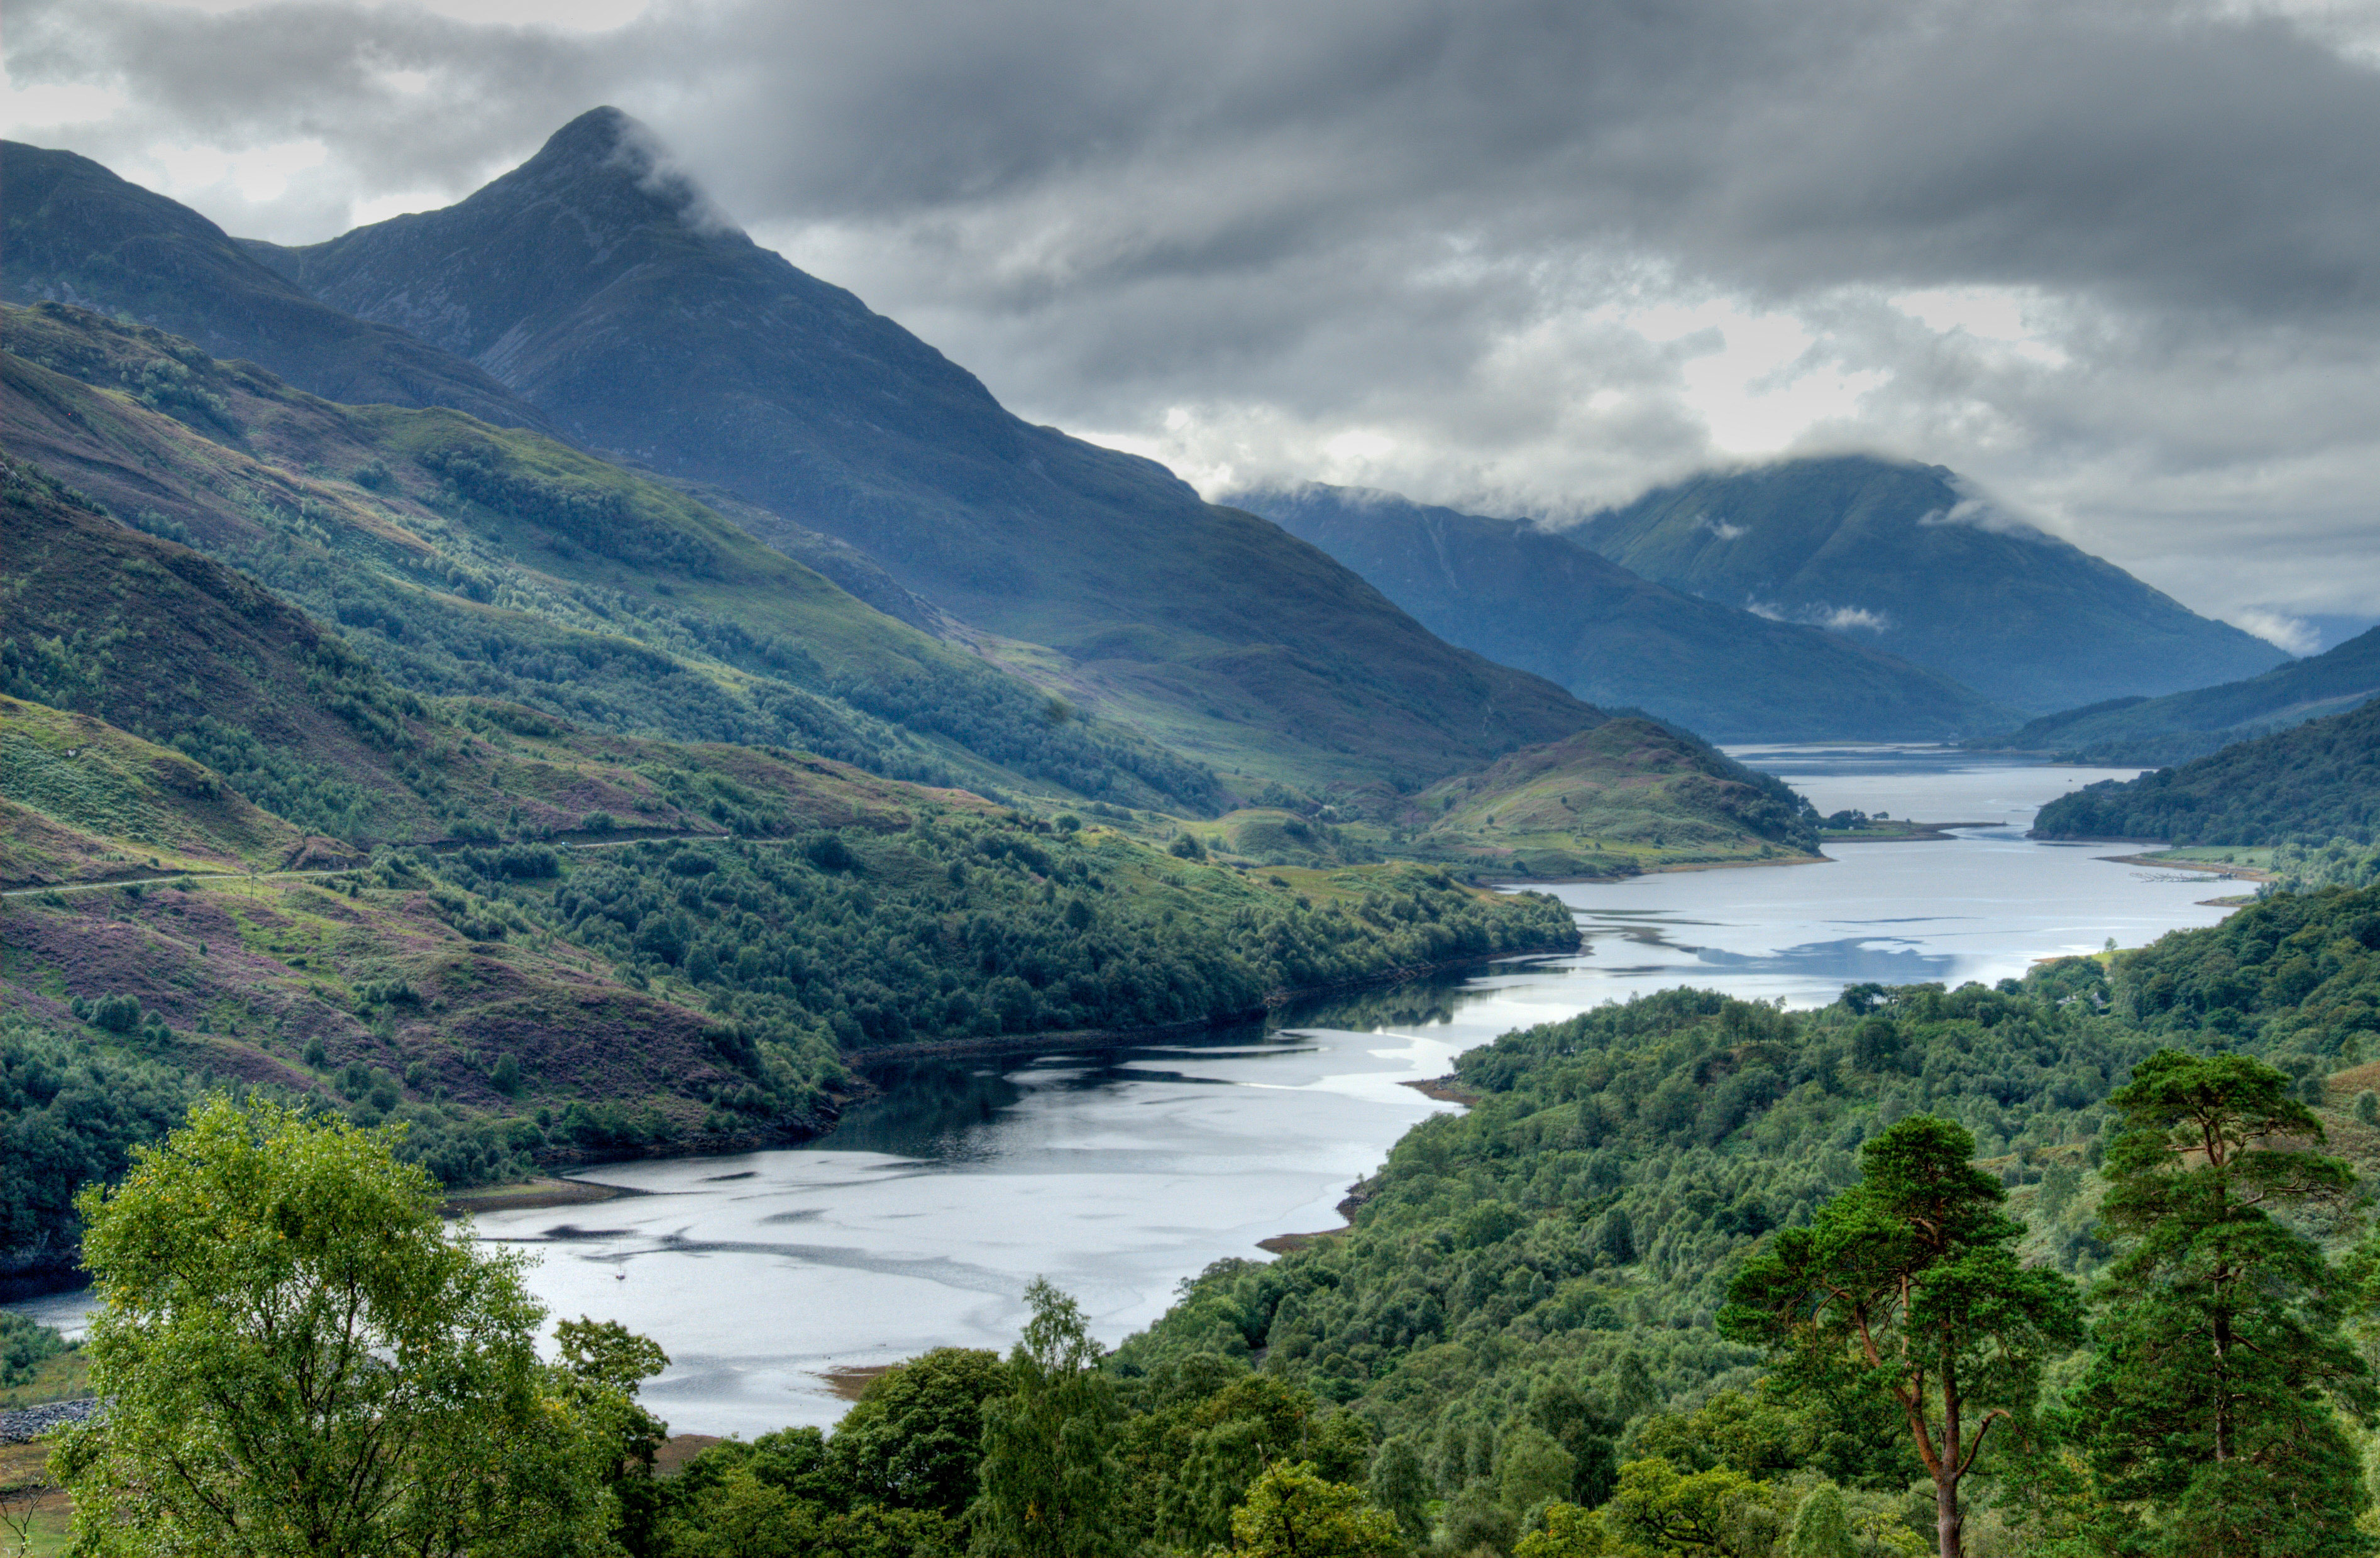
(2121, 262)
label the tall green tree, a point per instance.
(913, 1440)
(1907, 1286)
(602, 1365)
(1050, 1475)
(2220, 1369)
(303, 1359)
(1293, 1513)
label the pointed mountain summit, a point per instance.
(602, 287)
(77, 234)
(1909, 558)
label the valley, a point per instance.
(540, 710)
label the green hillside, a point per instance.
(2308, 784)
(2181, 726)
(518, 1003)
(172, 647)
(77, 234)
(1626, 795)
(1528, 598)
(220, 870)
(1904, 558)
(574, 280)
(82, 802)
(465, 559)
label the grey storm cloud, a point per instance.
(1235, 231)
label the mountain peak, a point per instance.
(613, 169)
(600, 144)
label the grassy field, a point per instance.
(35, 1515)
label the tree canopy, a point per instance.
(302, 1360)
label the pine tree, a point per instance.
(1906, 1288)
(2218, 1359)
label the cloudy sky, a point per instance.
(2120, 262)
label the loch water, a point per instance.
(771, 1276)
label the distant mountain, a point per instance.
(77, 234)
(1536, 601)
(1906, 558)
(608, 292)
(2181, 726)
(2308, 784)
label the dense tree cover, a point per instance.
(1045, 1452)
(1550, 1265)
(2313, 782)
(24, 1346)
(2212, 1411)
(966, 927)
(2341, 863)
(1906, 1292)
(2294, 976)
(70, 1115)
(804, 950)
(75, 1105)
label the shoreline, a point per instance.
(556, 1189)
(1905, 833)
(2217, 870)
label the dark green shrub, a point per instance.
(118, 1014)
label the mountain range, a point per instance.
(77, 234)
(2181, 726)
(1908, 558)
(1536, 599)
(606, 291)
(510, 558)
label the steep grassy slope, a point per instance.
(1534, 600)
(2305, 785)
(176, 648)
(1901, 557)
(2181, 726)
(610, 295)
(77, 234)
(80, 801)
(468, 559)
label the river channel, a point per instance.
(771, 1276)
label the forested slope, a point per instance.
(1549, 1265)
(2305, 785)
(1523, 1325)
(520, 1003)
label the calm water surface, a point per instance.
(920, 1222)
